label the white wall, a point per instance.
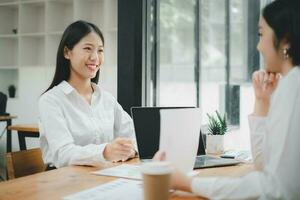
(32, 82)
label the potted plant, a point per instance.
(11, 91)
(217, 127)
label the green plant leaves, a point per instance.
(217, 125)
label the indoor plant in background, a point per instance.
(11, 91)
(217, 127)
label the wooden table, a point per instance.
(59, 183)
(8, 120)
(25, 130)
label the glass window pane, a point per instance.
(177, 53)
(238, 41)
(213, 57)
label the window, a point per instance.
(205, 53)
(213, 56)
(177, 86)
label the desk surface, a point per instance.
(24, 127)
(58, 183)
(6, 117)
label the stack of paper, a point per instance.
(114, 190)
(122, 171)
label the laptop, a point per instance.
(147, 129)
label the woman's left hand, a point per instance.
(264, 84)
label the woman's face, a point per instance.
(86, 57)
(272, 57)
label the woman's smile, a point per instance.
(92, 67)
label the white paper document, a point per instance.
(114, 190)
(122, 171)
(179, 136)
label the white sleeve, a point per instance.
(288, 168)
(257, 127)
(61, 144)
(277, 181)
(252, 186)
(123, 126)
(282, 183)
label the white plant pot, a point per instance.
(215, 144)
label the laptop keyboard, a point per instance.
(209, 161)
(201, 160)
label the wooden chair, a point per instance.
(23, 163)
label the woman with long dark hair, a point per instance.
(80, 123)
(274, 123)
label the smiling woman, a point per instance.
(85, 61)
(80, 123)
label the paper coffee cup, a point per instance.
(156, 180)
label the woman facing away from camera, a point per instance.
(80, 123)
(275, 121)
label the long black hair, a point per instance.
(283, 16)
(71, 36)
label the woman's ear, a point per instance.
(67, 53)
(285, 44)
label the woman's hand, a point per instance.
(119, 149)
(159, 156)
(179, 180)
(264, 85)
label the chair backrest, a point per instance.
(23, 163)
(3, 101)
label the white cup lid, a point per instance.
(156, 168)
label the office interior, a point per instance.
(157, 53)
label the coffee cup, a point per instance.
(156, 180)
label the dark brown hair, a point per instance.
(71, 36)
(283, 16)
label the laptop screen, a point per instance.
(147, 130)
(201, 146)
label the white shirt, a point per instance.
(275, 142)
(72, 132)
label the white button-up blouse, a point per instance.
(275, 143)
(72, 132)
